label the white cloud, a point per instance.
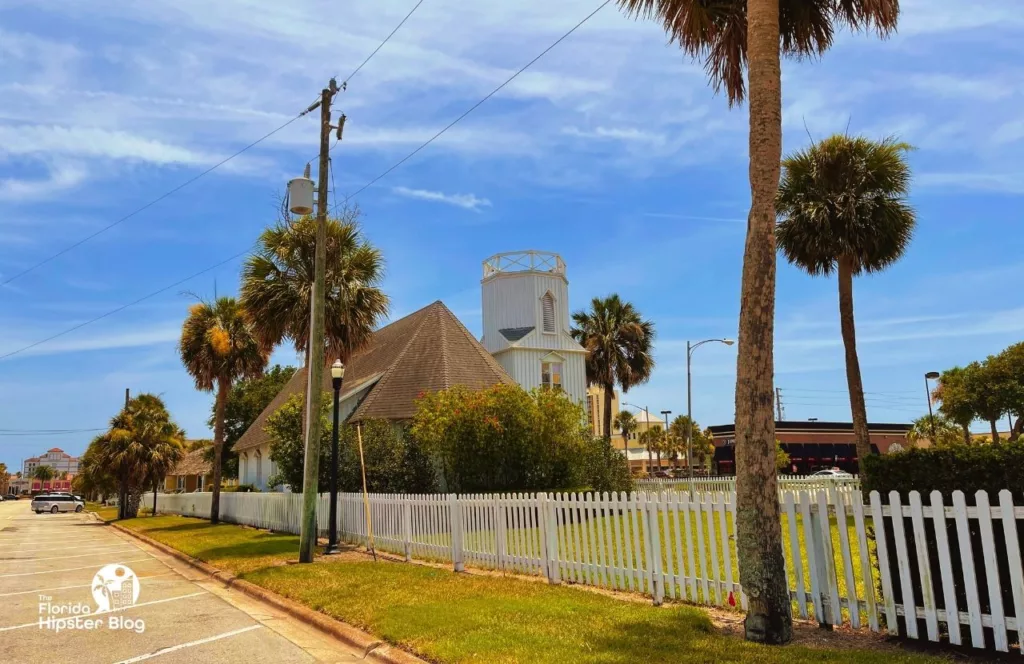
(617, 134)
(60, 178)
(1009, 183)
(152, 335)
(466, 201)
(92, 142)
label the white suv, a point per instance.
(54, 503)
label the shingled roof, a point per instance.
(192, 463)
(426, 351)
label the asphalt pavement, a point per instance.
(48, 612)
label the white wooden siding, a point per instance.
(523, 364)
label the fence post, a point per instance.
(499, 531)
(455, 519)
(407, 527)
(817, 543)
(551, 539)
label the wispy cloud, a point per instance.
(152, 335)
(1009, 183)
(60, 178)
(92, 142)
(465, 201)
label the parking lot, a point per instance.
(47, 568)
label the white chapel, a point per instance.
(526, 321)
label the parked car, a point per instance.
(833, 473)
(54, 503)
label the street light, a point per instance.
(666, 413)
(931, 375)
(337, 376)
(689, 401)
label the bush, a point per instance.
(969, 468)
(503, 438)
(240, 488)
(605, 469)
(991, 468)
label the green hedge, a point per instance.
(966, 468)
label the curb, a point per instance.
(373, 649)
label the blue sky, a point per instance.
(612, 151)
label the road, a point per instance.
(47, 563)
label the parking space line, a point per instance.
(72, 569)
(190, 644)
(63, 540)
(84, 585)
(134, 606)
(80, 555)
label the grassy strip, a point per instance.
(460, 618)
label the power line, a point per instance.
(471, 108)
(125, 306)
(390, 35)
(209, 170)
(361, 189)
(148, 205)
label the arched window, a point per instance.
(259, 468)
(243, 473)
(547, 306)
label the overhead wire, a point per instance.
(203, 173)
(334, 208)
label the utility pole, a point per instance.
(778, 404)
(127, 396)
(311, 466)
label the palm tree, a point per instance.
(44, 474)
(277, 286)
(619, 346)
(163, 455)
(626, 424)
(217, 347)
(843, 209)
(733, 35)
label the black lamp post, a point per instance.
(337, 376)
(666, 413)
(931, 375)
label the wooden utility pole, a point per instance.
(314, 386)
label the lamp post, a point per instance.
(689, 401)
(337, 376)
(931, 375)
(666, 413)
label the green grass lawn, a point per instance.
(452, 618)
(107, 513)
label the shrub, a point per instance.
(503, 438)
(969, 468)
(605, 469)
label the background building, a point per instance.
(812, 446)
(526, 322)
(595, 411)
(55, 458)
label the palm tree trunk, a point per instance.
(154, 498)
(606, 416)
(223, 387)
(758, 519)
(995, 431)
(854, 383)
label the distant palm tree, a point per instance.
(620, 348)
(277, 284)
(843, 209)
(626, 424)
(737, 37)
(217, 347)
(164, 455)
(44, 474)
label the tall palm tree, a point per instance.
(277, 284)
(619, 346)
(843, 209)
(733, 35)
(217, 347)
(44, 474)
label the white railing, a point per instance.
(845, 486)
(836, 574)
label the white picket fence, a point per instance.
(614, 540)
(843, 486)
